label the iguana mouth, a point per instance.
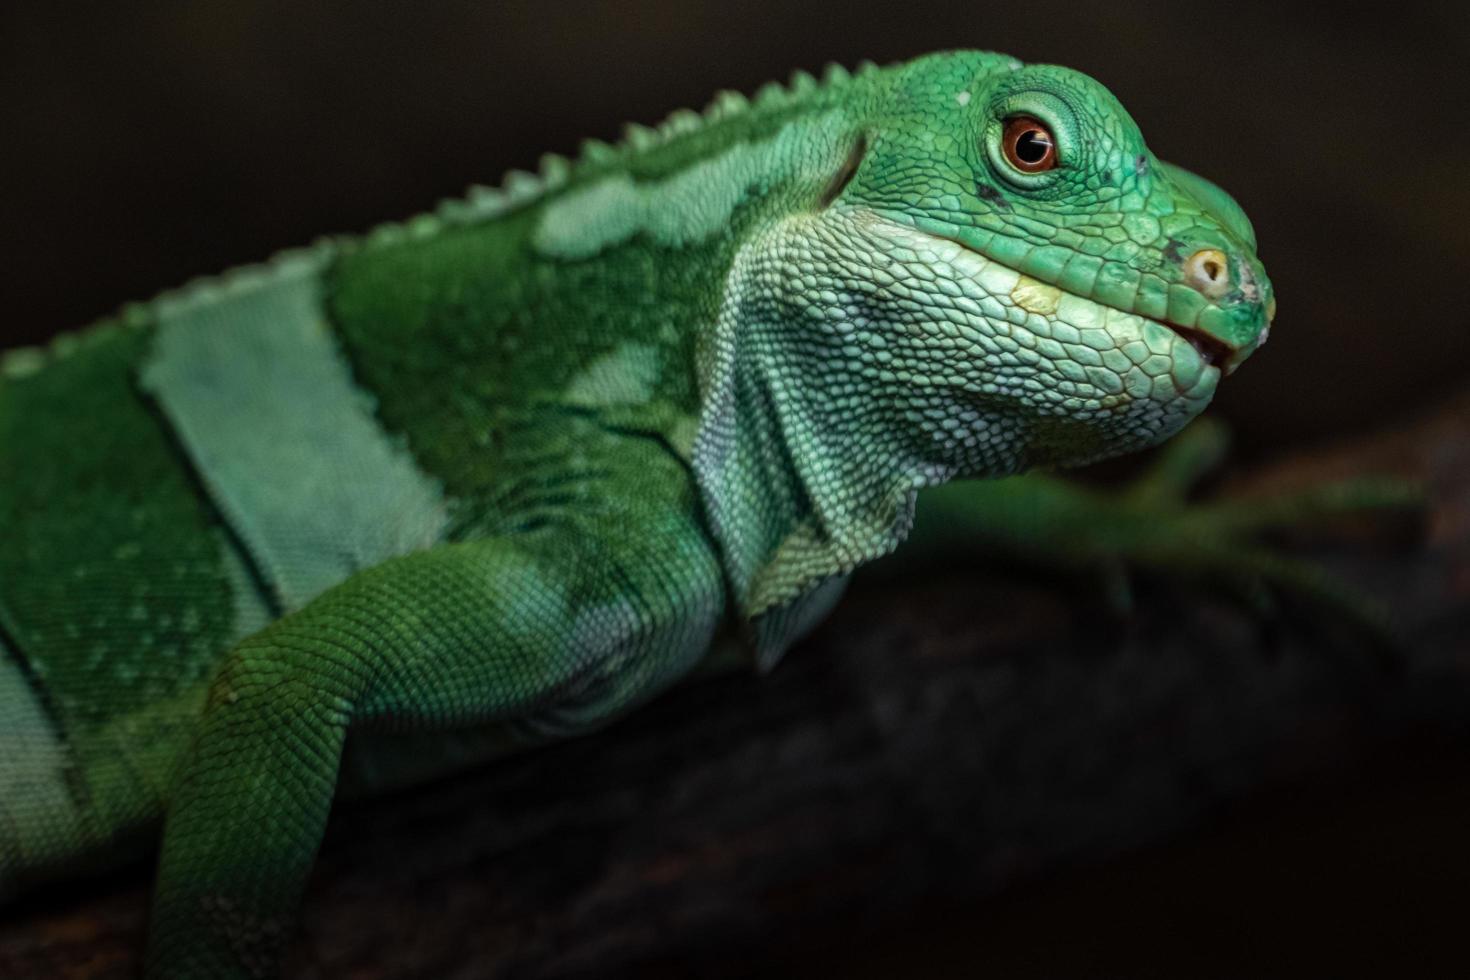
(1212, 350)
(1215, 352)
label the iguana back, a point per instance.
(174, 479)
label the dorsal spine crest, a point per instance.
(519, 188)
(479, 202)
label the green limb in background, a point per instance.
(1150, 525)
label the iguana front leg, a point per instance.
(555, 629)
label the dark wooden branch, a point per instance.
(950, 737)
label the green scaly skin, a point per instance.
(516, 467)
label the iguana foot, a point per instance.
(1151, 526)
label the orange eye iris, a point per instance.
(1028, 145)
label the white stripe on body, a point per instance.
(39, 819)
(250, 378)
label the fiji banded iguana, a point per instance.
(519, 465)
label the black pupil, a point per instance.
(1032, 146)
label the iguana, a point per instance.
(515, 467)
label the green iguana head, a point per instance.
(1025, 280)
(980, 268)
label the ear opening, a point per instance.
(845, 173)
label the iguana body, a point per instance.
(520, 465)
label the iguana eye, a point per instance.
(1028, 145)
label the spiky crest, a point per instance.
(517, 189)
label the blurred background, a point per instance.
(146, 144)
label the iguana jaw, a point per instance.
(1214, 352)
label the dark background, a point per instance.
(143, 147)
(145, 144)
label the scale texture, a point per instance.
(502, 472)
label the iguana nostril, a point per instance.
(1208, 271)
